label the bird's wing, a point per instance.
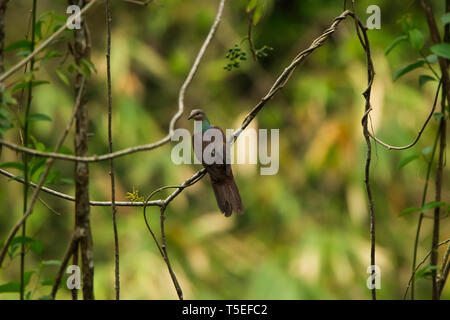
(224, 152)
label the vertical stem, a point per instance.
(166, 256)
(443, 64)
(419, 224)
(25, 156)
(82, 208)
(111, 162)
(436, 218)
(3, 5)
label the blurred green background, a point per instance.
(305, 231)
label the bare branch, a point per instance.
(145, 3)
(70, 198)
(420, 264)
(111, 162)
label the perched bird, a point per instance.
(222, 180)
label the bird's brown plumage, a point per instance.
(220, 173)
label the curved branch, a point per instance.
(372, 135)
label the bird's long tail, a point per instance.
(228, 197)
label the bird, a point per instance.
(220, 173)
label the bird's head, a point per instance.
(197, 114)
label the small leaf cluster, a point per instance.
(235, 55)
(415, 38)
(135, 196)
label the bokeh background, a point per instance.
(305, 231)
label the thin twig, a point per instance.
(25, 156)
(443, 65)
(364, 40)
(422, 129)
(72, 199)
(71, 249)
(111, 161)
(419, 265)
(146, 2)
(421, 215)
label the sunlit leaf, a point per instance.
(251, 5)
(258, 13)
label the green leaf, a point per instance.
(39, 117)
(65, 150)
(424, 79)
(442, 50)
(51, 263)
(10, 287)
(24, 85)
(257, 14)
(51, 54)
(21, 44)
(446, 18)
(36, 166)
(251, 5)
(27, 277)
(62, 76)
(426, 271)
(12, 165)
(416, 39)
(395, 43)
(432, 205)
(37, 246)
(88, 64)
(48, 282)
(16, 242)
(401, 72)
(409, 210)
(407, 160)
(46, 298)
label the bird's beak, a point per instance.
(190, 116)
